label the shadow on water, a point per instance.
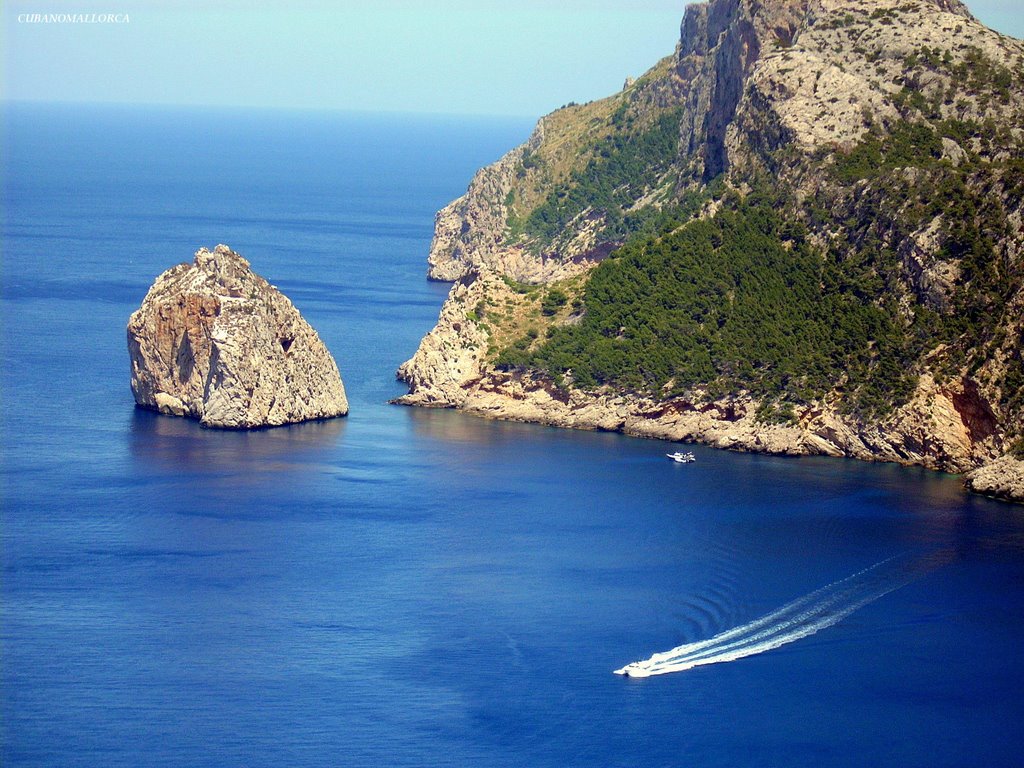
(454, 426)
(183, 446)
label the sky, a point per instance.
(492, 57)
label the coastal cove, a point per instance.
(775, 240)
(412, 586)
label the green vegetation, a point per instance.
(654, 220)
(983, 75)
(478, 313)
(909, 144)
(520, 288)
(742, 300)
(739, 301)
(623, 167)
(1012, 400)
(968, 202)
(553, 300)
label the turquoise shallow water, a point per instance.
(409, 587)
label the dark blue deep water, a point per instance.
(416, 588)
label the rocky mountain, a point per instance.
(800, 233)
(216, 342)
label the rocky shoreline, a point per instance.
(1002, 479)
(731, 424)
(782, 91)
(948, 427)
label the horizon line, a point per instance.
(5, 101)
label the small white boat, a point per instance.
(636, 669)
(682, 458)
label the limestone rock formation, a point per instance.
(216, 342)
(1003, 479)
(889, 132)
(748, 79)
(471, 229)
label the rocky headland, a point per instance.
(874, 152)
(1001, 479)
(948, 426)
(216, 342)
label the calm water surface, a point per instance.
(405, 587)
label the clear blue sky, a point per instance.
(517, 57)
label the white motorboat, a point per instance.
(636, 669)
(682, 458)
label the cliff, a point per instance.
(216, 342)
(800, 233)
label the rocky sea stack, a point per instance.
(216, 342)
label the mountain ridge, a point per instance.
(873, 155)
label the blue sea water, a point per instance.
(420, 588)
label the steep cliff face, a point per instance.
(747, 80)
(719, 45)
(886, 136)
(216, 342)
(507, 220)
(471, 229)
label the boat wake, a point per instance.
(796, 620)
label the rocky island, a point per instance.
(216, 342)
(800, 233)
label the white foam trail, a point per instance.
(795, 620)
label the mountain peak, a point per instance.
(801, 233)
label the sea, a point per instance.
(408, 587)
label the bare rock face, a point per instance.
(470, 230)
(451, 356)
(1003, 479)
(216, 342)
